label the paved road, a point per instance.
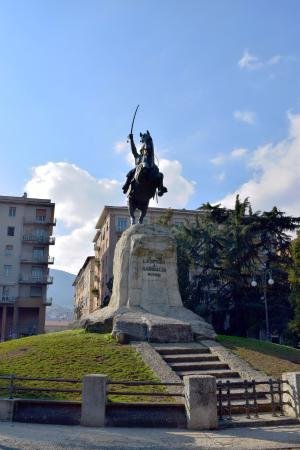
(18, 436)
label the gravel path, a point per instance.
(19, 436)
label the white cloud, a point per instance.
(71, 250)
(275, 179)
(218, 160)
(78, 195)
(121, 146)
(179, 188)
(221, 176)
(234, 154)
(245, 116)
(238, 152)
(252, 62)
(79, 199)
(274, 60)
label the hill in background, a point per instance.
(62, 293)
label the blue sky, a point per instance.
(217, 83)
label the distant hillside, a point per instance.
(62, 293)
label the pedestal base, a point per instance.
(145, 303)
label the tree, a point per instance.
(294, 278)
(224, 249)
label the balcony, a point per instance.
(33, 238)
(39, 221)
(32, 279)
(8, 300)
(37, 260)
(47, 301)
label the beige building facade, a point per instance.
(84, 289)
(26, 226)
(110, 226)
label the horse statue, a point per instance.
(143, 181)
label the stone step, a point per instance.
(198, 366)
(181, 350)
(265, 419)
(224, 374)
(190, 358)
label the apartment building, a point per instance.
(26, 226)
(111, 224)
(84, 289)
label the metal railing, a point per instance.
(39, 220)
(253, 397)
(38, 259)
(7, 299)
(39, 239)
(31, 279)
(47, 301)
(123, 389)
(13, 387)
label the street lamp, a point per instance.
(266, 277)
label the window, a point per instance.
(5, 293)
(9, 250)
(38, 253)
(10, 231)
(7, 270)
(41, 235)
(122, 224)
(12, 211)
(35, 291)
(37, 273)
(40, 214)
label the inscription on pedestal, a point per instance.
(154, 268)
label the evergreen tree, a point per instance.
(294, 278)
(224, 250)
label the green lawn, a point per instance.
(73, 354)
(272, 359)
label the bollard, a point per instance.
(291, 394)
(201, 402)
(93, 400)
(6, 410)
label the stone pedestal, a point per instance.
(146, 303)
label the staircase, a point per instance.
(191, 359)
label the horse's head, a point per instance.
(147, 150)
(146, 140)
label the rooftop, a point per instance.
(25, 200)
(108, 208)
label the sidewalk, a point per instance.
(17, 436)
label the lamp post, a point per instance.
(266, 277)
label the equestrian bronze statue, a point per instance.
(145, 179)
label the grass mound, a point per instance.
(72, 354)
(272, 359)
